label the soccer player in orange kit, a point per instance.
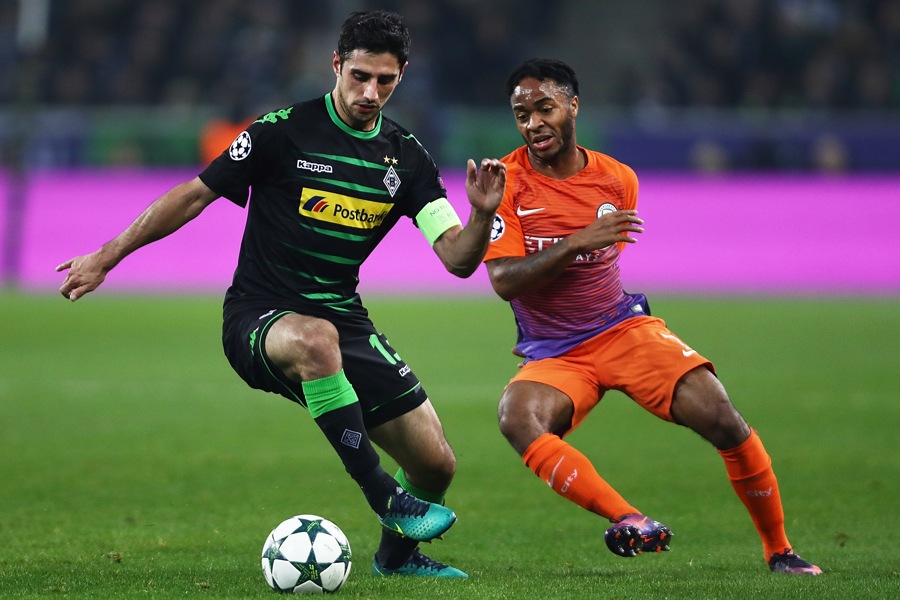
(566, 215)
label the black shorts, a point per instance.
(384, 383)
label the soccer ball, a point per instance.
(306, 554)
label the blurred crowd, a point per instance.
(721, 53)
(259, 53)
(224, 61)
(811, 54)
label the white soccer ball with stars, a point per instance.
(306, 554)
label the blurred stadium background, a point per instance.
(139, 94)
(766, 136)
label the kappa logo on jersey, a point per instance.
(497, 228)
(342, 210)
(240, 147)
(314, 167)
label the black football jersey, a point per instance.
(321, 196)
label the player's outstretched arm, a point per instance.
(513, 276)
(167, 214)
(461, 249)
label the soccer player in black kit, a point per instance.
(329, 178)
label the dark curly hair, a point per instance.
(376, 32)
(543, 69)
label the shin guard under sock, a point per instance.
(333, 404)
(572, 476)
(749, 469)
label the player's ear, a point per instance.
(336, 64)
(574, 106)
(402, 71)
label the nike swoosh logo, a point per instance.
(685, 351)
(553, 472)
(524, 212)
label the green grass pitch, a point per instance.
(135, 464)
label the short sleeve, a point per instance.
(507, 238)
(245, 163)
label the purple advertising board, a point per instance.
(723, 234)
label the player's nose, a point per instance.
(370, 90)
(534, 122)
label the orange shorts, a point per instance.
(639, 357)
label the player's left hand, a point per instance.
(485, 184)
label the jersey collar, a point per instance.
(363, 135)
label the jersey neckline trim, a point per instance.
(589, 162)
(363, 135)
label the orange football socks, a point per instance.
(749, 468)
(572, 476)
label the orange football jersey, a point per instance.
(536, 212)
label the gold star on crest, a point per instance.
(390, 160)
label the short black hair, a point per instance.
(543, 69)
(375, 31)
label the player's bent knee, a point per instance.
(304, 346)
(509, 420)
(316, 335)
(520, 433)
(528, 410)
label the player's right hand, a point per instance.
(85, 274)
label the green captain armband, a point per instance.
(437, 217)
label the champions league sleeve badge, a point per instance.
(497, 228)
(240, 147)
